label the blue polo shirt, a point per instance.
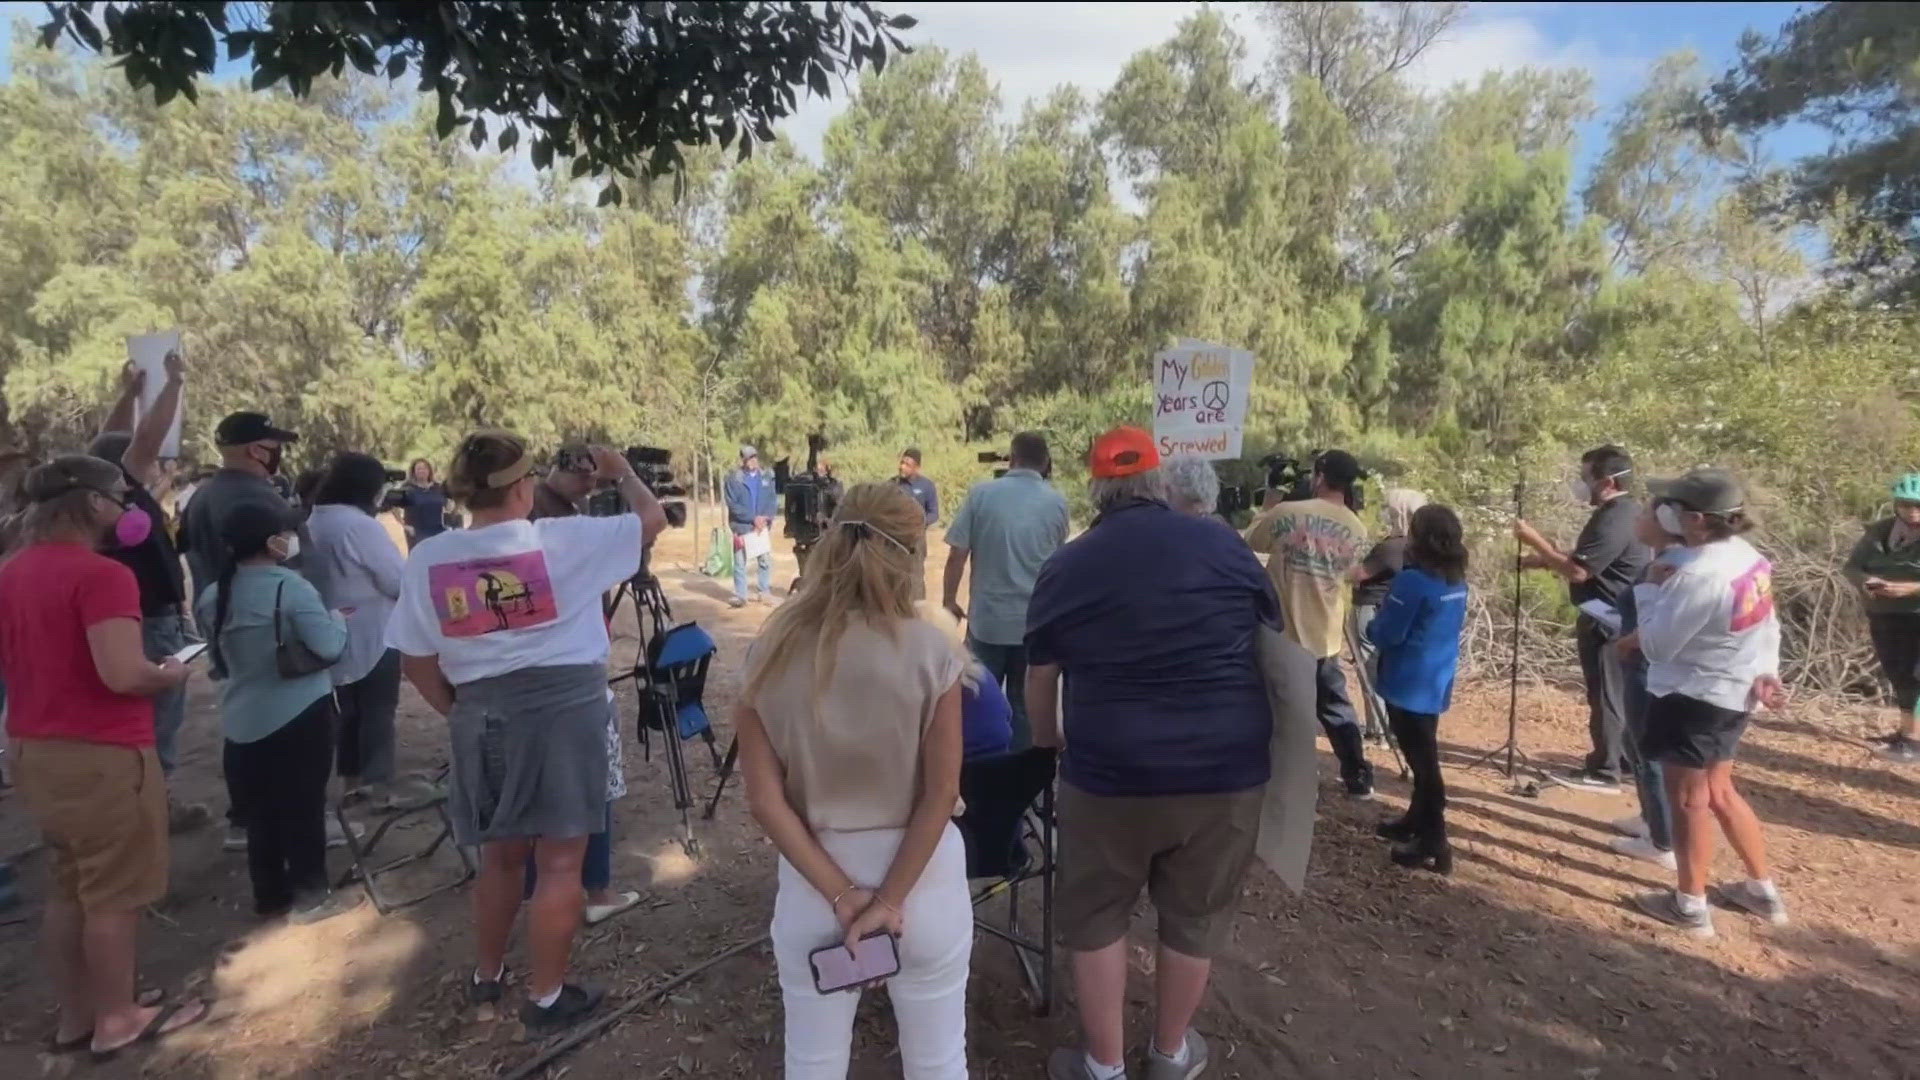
(925, 493)
(1152, 616)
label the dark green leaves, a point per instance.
(616, 86)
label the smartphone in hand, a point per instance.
(835, 968)
(189, 654)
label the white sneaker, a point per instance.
(1665, 906)
(1639, 847)
(1629, 826)
(1751, 900)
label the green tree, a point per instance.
(1850, 68)
(611, 86)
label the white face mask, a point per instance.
(1581, 491)
(1668, 515)
(285, 548)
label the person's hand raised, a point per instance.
(608, 464)
(176, 366)
(133, 378)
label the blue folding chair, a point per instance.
(1008, 826)
(670, 688)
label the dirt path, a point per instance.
(1525, 963)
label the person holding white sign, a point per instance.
(751, 504)
(141, 543)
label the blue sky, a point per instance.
(1032, 47)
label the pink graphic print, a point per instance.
(486, 596)
(1752, 597)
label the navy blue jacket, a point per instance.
(749, 496)
(1152, 616)
(1417, 631)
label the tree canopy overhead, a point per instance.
(610, 86)
(1854, 70)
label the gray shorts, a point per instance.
(529, 755)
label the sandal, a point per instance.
(164, 1023)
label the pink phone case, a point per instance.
(876, 956)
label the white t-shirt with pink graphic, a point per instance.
(520, 594)
(1711, 629)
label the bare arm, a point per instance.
(956, 569)
(767, 800)
(121, 660)
(142, 459)
(1547, 556)
(425, 675)
(1043, 703)
(120, 417)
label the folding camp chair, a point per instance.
(361, 850)
(1008, 827)
(670, 687)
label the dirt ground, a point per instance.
(1525, 963)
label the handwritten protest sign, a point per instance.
(1200, 399)
(148, 352)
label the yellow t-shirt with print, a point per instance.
(1312, 546)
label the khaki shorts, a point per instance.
(103, 810)
(1190, 852)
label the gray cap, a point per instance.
(748, 452)
(1705, 491)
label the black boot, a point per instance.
(1419, 854)
(1350, 747)
(1396, 830)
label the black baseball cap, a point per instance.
(1338, 466)
(241, 428)
(1704, 491)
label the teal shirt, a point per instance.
(255, 701)
(1011, 526)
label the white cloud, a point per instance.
(1029, 49)
(1502, 38)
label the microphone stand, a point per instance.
(1516, 758)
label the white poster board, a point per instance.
(148, 352)
(1200, 393)
(1287, 808)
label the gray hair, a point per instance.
(1192, 485)
(1108, 493)
(1398, 507)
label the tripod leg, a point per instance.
(726, 771)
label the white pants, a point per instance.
(930, 993)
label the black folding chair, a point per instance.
(1008, 827)
(671, 685)
(361, 852)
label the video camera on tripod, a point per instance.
(808, 498)
(650, 464)
(1292, 478)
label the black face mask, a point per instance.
(272, 464)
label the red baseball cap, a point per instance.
(1124, 451)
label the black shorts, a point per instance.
(1691, 733)
(1896, 645)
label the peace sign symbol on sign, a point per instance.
(1214, 395)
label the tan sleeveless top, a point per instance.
(851, 754)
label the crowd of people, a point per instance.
(1137, 652)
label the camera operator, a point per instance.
(501, 630)
(1605, 561)
(1008, 527)
(816, 494)
(1313, 545)
(751, 504)
(570, 479)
